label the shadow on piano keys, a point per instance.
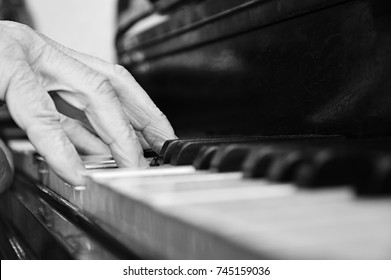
(254, 198)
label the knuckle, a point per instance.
(99, 85)
(18, 76)
(17, 70)
(11, 49)
(120, 70)
(49, 119)
(162, 116)
(20, 41)
(52, 116)
(10, 25)
(48, 111)
(17, 30)
(40, 52)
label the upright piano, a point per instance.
(283, 112)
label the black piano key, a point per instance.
(331, 167)
(184, 151)
(166, 154)
(174, 146)
(375, 179)
(230, 158)
(169, 146)
(148, 153)
(204, 157)
(258, 162)
(284, 167)
(165, 146)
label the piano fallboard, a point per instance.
(266, 67)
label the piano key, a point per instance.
(74, 193)
(165, 146)
(174, 147)
(149, 153)
(230, 158)
(185, 150)
(164, 170)
(148, 209)
(204, 157)
(150, 212)
(186, 153)
(375, 180)
(166, 156)
(258, 162)
(332, 167)
(284, 168)
(171, 146)
(314, 225)
(24, 158)
(193, 189)
(168, 196)
(125, 207)
(98, 161)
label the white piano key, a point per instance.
(21, 145)
(132, 172)
(320, 224)
(24, 158)
(193, 188)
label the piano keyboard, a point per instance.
(257, 198)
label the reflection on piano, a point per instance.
(284, 115)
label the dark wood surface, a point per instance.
(268, 67)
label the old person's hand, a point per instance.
(114, 104)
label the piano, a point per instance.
(283, 114)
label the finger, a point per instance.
(143, 142)
(91, 92)
(139, 108)
(34, 111)
(71, 112)
(74, 113)
(85, 142)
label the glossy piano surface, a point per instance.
(40, 231)
(266, 67)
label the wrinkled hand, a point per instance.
(113, 102)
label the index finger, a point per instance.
(34, 111)
(143, 114)
(91, 92)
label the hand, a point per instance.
(113, 102)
